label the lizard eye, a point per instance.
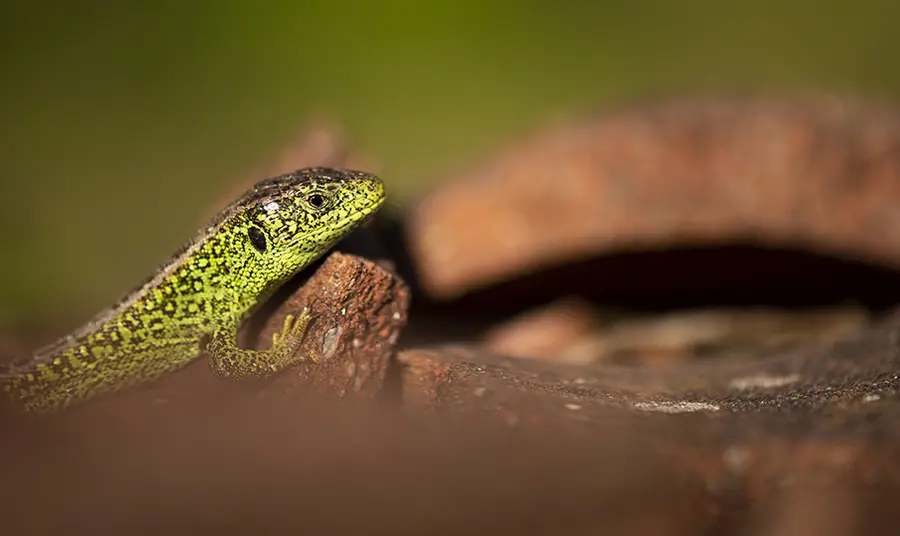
(257, 238)
(316, 200)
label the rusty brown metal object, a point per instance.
(358, 309)
(782, 433)
(575, 331)
(816, 174)
(853, 373)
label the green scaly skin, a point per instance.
(204, 293)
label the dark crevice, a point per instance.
(696, 277)
(683, 278)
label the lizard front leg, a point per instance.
(227, 359)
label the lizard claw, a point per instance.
(293, 329)
(285, 331)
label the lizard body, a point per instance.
(204, 293)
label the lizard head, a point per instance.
(284, 223)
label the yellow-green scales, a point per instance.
(204, 292)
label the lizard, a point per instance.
(198, 300)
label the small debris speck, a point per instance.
(675, 407)
(763, 382)
(330, 341)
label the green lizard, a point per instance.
(200, 297)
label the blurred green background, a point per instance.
(123, 121)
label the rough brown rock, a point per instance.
(358, 310)
(781, 433)
(575, 331)
(813, 174)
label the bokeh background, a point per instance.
(121, 121)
